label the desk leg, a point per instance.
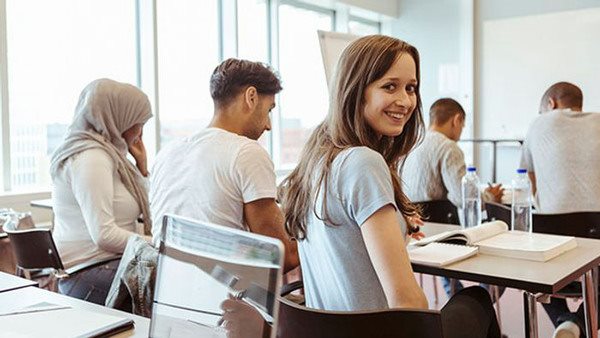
(589, 297)
(530, 309)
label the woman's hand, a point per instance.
(138, 151)
(414, 224)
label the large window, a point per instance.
(169, 48)
(55, 48)
(188, 51)
(253, 30)
(304, 100)
(360, 26)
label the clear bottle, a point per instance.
(471, 198)
(521, 217)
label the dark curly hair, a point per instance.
(234, 75)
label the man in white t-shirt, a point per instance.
(222, 174)
(561, 154)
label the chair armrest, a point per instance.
(291, 287)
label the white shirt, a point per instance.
(434, 170)
(209, 177)
(562, 149)
(94, 214)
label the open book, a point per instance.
(493, 238)
(440, 254)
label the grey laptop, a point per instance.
(215, 281)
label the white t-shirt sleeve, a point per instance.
(92, 182)
(453, 169)
(254, 173)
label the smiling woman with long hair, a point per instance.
(344, 201)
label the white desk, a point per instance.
(31, 295)
(10, 282)
(532, 277)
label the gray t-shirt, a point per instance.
(562, 149)
(336, 268)
(434, 170)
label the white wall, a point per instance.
(521, 48)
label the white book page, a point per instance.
(523, 241)
(484, 231)
(440, 254)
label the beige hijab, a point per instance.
(105, 110)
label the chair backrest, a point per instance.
(498, 212)
(442, 211)
(34, 249)
(578, 224)
(296, 321)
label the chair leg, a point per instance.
(421, 280)
(435, 290)
(496, 298)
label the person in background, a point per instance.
(222, 174)
(344, 201)
(435, 168)
(561, 154)
(98, 194)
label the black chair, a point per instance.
(584, 224)
(498, 212)
(579, 224)
(37, 256)
(297, 321)
(441, 211)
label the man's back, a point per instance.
(209, 177)
(562, 149)
(433, 171)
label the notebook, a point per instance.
(493, 238)
(440, 254)
(53, 321)
(204, 268)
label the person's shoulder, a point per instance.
(96, 154)
(361, 157)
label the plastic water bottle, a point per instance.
(471, 198)
(521, 218)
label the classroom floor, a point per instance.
(511, 307)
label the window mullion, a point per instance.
(5, 129)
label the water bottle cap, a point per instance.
(521, 171)
(471, 169)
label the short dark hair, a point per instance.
(443, 110)
(234, 75)
(565, 94)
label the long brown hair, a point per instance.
(361, 63)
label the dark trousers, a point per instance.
(470, 314)
(559, 312)
(90, 284)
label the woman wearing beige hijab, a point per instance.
(98, 194)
